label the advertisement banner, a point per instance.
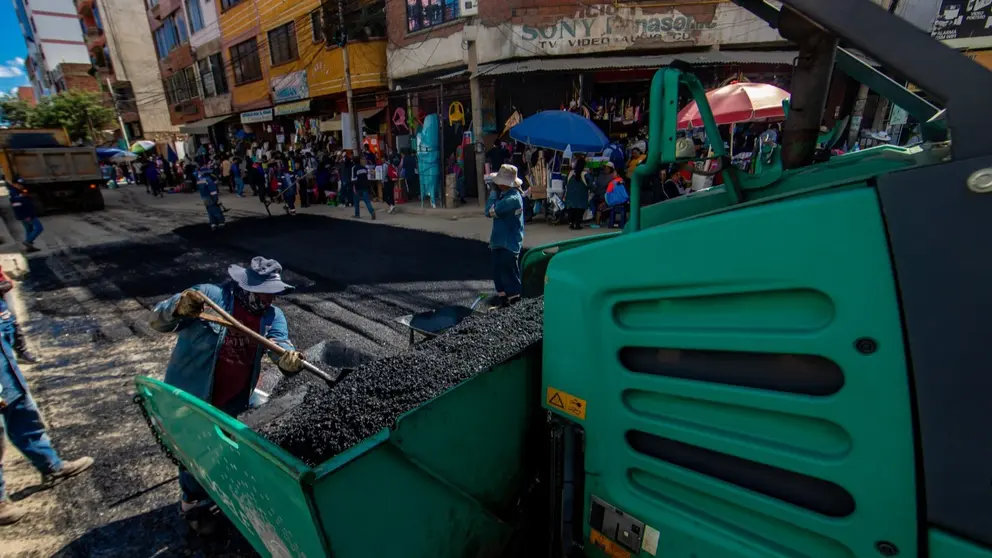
(293, 108)
(290, 87)
(261, 115)
(961, 19)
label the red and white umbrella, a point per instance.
(738, 102)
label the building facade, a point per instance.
(176, 63)
(53, 37)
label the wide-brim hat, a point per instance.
(506, 176)
(263, 276)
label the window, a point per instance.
(212, 78)
(170, 35)
(282, 44)
(316, 27)
(181, 86)
(152, 4)
(195, 15)
(245, 63)
(192, 85)
(422, 14)
(228, 4)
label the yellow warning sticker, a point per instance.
(567, 403)
(611, 548)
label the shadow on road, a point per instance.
(159, 533)
(349, 252)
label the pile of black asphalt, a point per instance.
(315, 421)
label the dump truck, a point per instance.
(790, 364)
(57, 174)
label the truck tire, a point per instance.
(94, 202)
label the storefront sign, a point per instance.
(962, 20)
(261, 115)
(293, 108)
(290, 87)
(610, 27)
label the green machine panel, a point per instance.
(743, 384)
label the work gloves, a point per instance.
(190, 305)
(290, 362)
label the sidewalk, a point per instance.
(465, 222)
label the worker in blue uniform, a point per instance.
(505, 207)
(210, 196)
(23, 425)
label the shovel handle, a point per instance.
(227, 320)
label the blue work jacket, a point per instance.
(12, 384)
(191, 367)
(206, 185)
(508, 225)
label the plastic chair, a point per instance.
(618, 211)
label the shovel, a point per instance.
(228, 321)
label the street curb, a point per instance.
(413, 208)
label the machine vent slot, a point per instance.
(817, 495)
(803, 374)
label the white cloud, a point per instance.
(13, 68)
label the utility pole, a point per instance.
(476, 94)
(350, 93)
(117, 111)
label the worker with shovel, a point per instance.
(221, 364)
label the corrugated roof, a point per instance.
(558, 64)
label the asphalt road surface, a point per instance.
(87, 299)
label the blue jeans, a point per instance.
(363, 195)
(214, 213)
(506, 272)
(26, 431)
(239, 185)
(32, 228)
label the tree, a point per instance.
(81, 113)
(15, 112)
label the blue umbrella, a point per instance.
(104, 153)
(558, 129)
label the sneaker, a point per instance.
(27, 357)
(221, 225)
(510, 301)
(499, 302)
(213, 227)
(10, 513)
(373, 215)
(356, 216)
(69, 469)
(392, 209)
(593, 226)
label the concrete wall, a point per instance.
(133, 56)
(535, 28)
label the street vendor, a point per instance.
(23, 424)
(505, 207)
(218, 365)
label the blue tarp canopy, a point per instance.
(559, 129)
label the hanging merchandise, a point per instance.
(429, 159)
(456, 113)
(399, 121)
(512, 121)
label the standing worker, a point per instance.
(505, 207)
(23, 425)
(225, 374)
(24, 211)
(210, 197)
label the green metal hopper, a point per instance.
(444, 482)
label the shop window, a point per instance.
(245, 63)
(282, 44)
(424, 14)
(316, 27)
(212, 78)
(195, 15)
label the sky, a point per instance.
(12, 50)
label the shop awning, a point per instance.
(366, 114)
(200, 126)
(566, 64)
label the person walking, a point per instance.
(344, 171)
(152, 176)
(411, 174)
(210, 196)
(577, 189)
(288, 187)
(225, 172)
(23, 426)
(360, 180)
(236, 175)
(505, 207)
(25, 212)
(392, 175)
(18, 339)
(218, 365)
